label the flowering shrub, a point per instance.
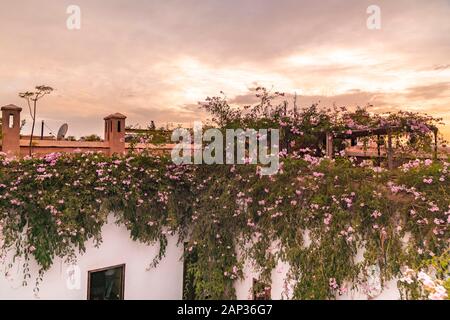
(303, 130)
(422, 285)
(316, 214)
(52, 205)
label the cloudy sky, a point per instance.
(154, 60)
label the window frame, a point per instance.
(11, 120)
(267, 292)
(122, 291)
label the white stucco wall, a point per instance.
(390, 292)
(163, 282)
(280, 289)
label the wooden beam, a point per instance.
(390, 154)
(379, 149)
(435, 144)
(329, 145)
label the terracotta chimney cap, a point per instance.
(115, 116)
(12, 107)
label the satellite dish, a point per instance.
(62, 131)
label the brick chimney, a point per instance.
(115, 133)
(11, 130)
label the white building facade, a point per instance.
(127, 261)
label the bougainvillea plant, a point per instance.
(304, 129)
(51, 206)
(430, 281)
(316, 214)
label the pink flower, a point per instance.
(434, 208)
(376, 214)
(349, 202)
(333, 284)
(318, 174)
(327, 219)
(15, 202)
(425, 279)
(440, 293)
(343, 290)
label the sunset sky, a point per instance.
(154, 60)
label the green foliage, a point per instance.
(91, 137)
(150, 135)
(305, 128)
(315, 214)
(428, 281)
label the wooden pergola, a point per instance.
(380, 131)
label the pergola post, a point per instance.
(390, 155)
(379, 149)
(435, 131)
(329, 145)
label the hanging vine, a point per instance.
(332, 221)
(52, 206)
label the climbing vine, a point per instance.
(315, 214)
(333, 221)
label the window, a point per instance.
(119, 128)
(11, 121)
(106, 283)
(261, 291)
